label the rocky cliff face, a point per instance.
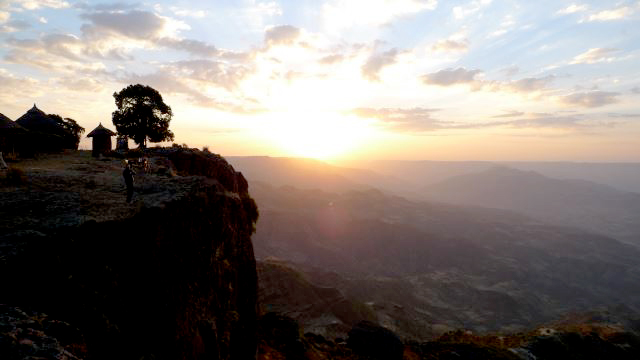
(171, 276)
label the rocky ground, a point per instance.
(170, 275)
(72, 188)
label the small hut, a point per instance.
(37, 120)
(45, 134)
(10, 134)
(101, 140)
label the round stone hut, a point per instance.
(101, 140)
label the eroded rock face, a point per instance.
(172, 276)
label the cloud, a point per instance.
(16, 89)
(270, 8)
(118, 6)
(506, 25)
(168, 83)
(208, 72)
(339, 15)
(590, 99)
(449, 45)
(195, 47)
(36, 4)
(510, 70)
(14, 26)
(182, 12)
(255, 16)
(37, 52)
(451, 76)
(510, 113)
(376, 62)
(64, 53)
(461, 12)
(608, 15)
(543, 121)
(420, 120)
(529, 84)
(107, 29)
(84, 84)
(404, 120)
(595, 55)
(331, 59)
(135, 24)
(635, 90)
(4, 16)
(281, 35)
(573, 8)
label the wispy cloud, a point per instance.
(36, 4)
(376, 62)
(169, 83)
(12, 26)
(463, 11)
(508, 114)
(281, 35)
(448, 77)
(595, 55)
(184, 12)
(339, 15)
(590, 99)
(404, 120)
(447, 45)
(135, 24)
(572, 9)
(421, 120)
(613, 14)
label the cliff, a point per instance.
(170, 276)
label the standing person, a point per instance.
(127, 174)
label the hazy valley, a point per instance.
(515, 249)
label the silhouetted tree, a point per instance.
(70, 131)
(142, 114)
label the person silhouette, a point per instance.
(127, 174)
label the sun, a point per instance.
(321, 136)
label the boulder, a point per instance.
(374, 341)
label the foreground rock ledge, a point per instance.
(170, 276)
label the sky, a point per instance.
(343, 80)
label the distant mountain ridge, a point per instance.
(595, 207)
(622, 176)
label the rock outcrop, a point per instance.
(171, 276)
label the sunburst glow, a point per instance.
(321, 136)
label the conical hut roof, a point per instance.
(9, 125)
(101, 130)
(35, 119)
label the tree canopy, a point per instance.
(71, 131)
(142, 115)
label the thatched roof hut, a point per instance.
(45, 133)
(36, 120)
(101, 140)
(10, 132)
(7, 124)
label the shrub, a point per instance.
(15, 177)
